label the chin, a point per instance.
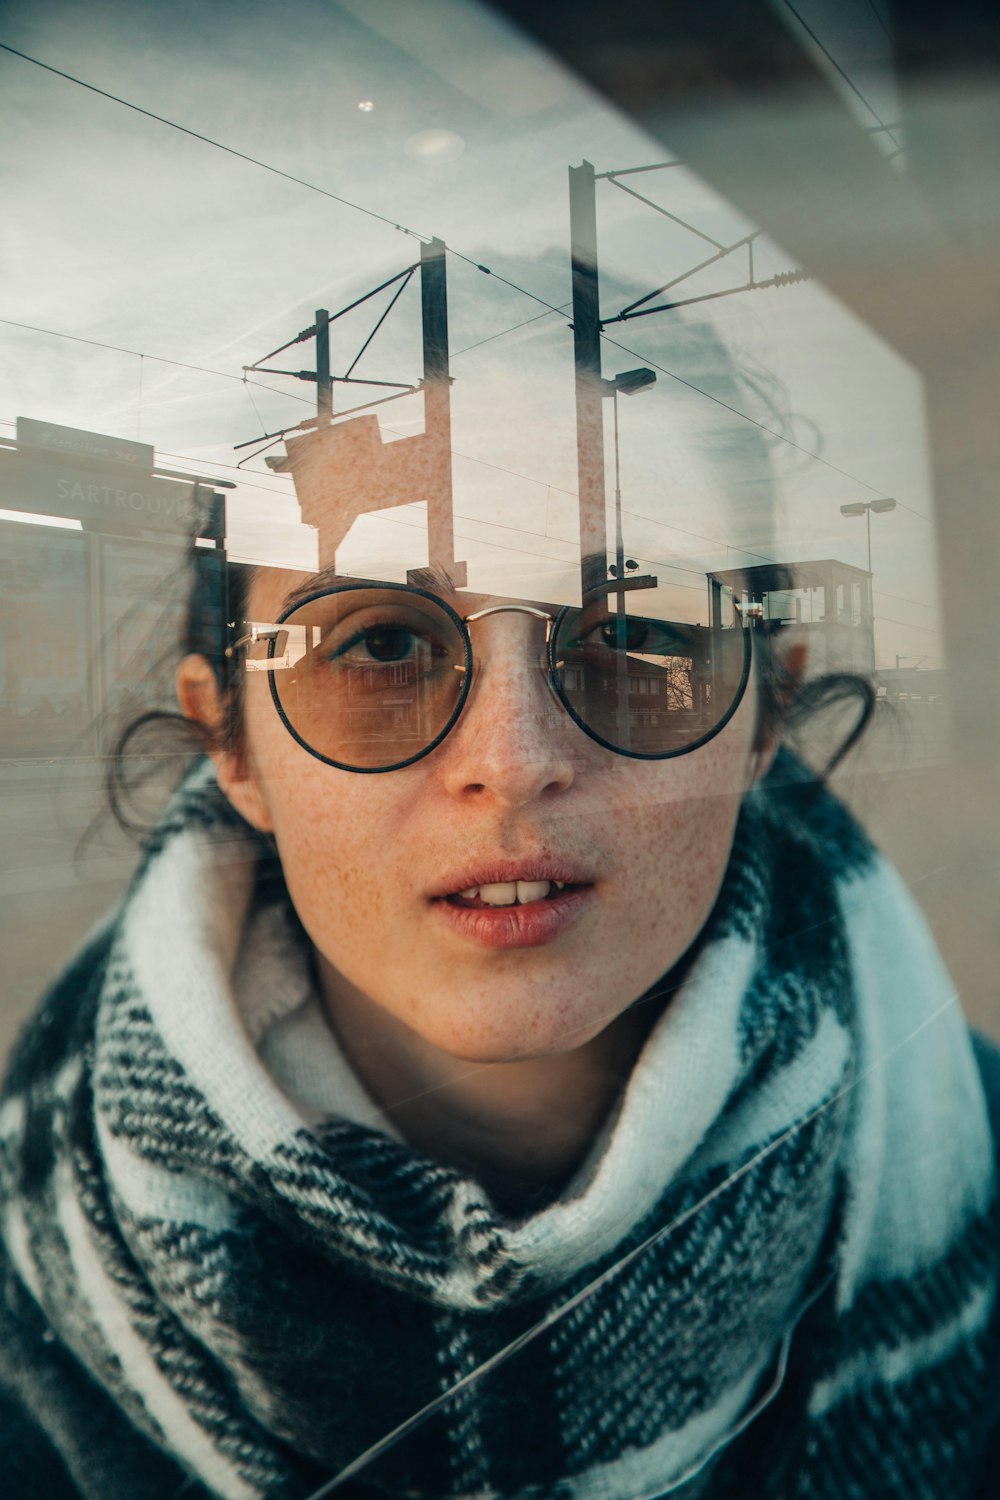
(505, 1029)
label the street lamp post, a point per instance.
(628, 383)
(865, 508)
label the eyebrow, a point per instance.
(433, 580)
(326, 578)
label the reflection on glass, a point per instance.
(371, 679)
(509, 1071)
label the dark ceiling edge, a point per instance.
(732, 91)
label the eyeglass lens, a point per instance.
(643, 686)
(371, 678)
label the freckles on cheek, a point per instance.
(692, 864)
(337, 896)
(678, 851)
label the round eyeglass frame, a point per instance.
(462, 625)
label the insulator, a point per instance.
(787, 278)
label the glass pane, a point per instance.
(495, 519)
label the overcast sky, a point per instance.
(440, 119)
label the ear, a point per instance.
(202, 702)
(790, 657)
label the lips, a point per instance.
(514, 905)
(507, 881)
(507, 892)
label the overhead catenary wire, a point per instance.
(308, 333)
(210, 141)
(216, 463)
(653, 166)
(638, 308)
(875, 13)
(300, 338)
(906, 624)
(303, 182)
(253, 404)
(385, 219)
(902, 599)
(160, 359)
(746, 417)
(399, 385)
(698, 536)
(842, 71)
(674, 218)
(782, 278)
(513, 328)
(269, 167)
(746, 239)
(515, 286)
(289, 395)
(525, 530)
(226, 375)
(506, 526)
(268, 439)
(386, 311)
(548, 557)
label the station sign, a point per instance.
(55, 438)
(105, 483)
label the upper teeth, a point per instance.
(509, 892)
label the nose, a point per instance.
(513, 742)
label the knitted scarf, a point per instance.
(774, 1276)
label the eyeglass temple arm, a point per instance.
(254, 634)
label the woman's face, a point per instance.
(376, 865)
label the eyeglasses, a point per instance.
(372, 677)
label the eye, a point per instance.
(386, 641)
(634, 636)
(627, 635)
(383, 643)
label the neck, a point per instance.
(519, 1128)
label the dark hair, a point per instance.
(787, 704)
(153, 750)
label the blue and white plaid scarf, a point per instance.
(774, 1276)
